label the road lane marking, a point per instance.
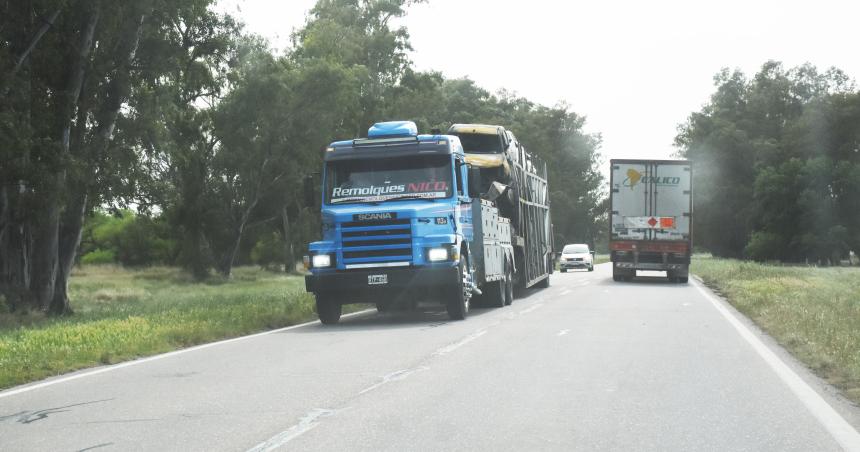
(565, 292)
(830, 419)
(102, 370)
(451, 347)
(306, 424)
(530, 309)
(563, 332)
(393, 376)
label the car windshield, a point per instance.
(375, 180)
(480, 143)
(575, 249)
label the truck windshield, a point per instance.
(475, 143)
(575, 249)
(375, 180)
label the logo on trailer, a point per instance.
(634, 178)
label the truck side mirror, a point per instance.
(474, 182)
(309, 198)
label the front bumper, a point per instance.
(402, 284)
(574, 264)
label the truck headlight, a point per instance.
(321, 260)
(437, 254)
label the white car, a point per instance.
(576, 256)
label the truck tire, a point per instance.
(458, 305)
(683, 279)
(328, 310)
(622, 275)
(495, 298)
(509, 284)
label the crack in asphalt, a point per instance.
(28, 417)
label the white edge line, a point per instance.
(832, 421)
(33, 387)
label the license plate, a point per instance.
(374, 280)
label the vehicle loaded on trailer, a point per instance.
(404, 224)
(651, 206)
(517, 182)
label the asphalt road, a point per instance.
(588, 364)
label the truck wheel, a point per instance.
(328, 310)
(458, 305)
(495, 294)
(683, 279)
(382, 307)
(563, 270)
(509, 285)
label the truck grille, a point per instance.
(380, 241)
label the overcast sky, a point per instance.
(635, 69)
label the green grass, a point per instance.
(813, 312)
(601, 259)
(124, 314)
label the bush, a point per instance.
(133, 240)
(99, 256)
(765, 246)
(268, 251)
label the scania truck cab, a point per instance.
(401, 227)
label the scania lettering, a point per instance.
(651, 217)
(404, 225)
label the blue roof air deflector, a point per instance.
(393, 129)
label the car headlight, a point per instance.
(321, 260)
(437, 254)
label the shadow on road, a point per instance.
(422, 318)
(430, 317)
(645, 280)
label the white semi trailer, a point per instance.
(651, 216)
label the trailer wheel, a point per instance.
(683, 279)
(458, 305)
(509, 284)
(495, 294)
(328, 310)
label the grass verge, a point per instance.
(813, 312)
(125, 314)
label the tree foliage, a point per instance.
(160, 132)
(776, 165)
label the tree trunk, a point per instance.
(70, 239)
(46, 239)
(73, 216)
(230, 257)
(14, 253)
(289, 256)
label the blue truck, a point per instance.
(405, 224)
